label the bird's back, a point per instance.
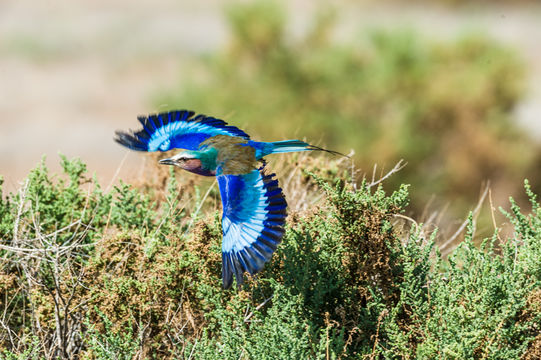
(234, 156)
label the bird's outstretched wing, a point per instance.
(254, 212)
(175, 129)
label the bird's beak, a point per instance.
(167, 162)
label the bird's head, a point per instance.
(186, 160)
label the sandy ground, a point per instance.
(72, 72)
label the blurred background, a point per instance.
(451, 87)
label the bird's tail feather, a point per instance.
(297, 145)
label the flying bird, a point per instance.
(254, 207)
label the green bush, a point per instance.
(129, 273)
(445, 107)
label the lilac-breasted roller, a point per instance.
(254, 207)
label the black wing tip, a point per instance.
(130, 141)
(231, 266)
(273, 192)
(251, 259)
(166, 113)
(156, 120)
(227, 271)
(228, 283)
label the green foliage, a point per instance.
(345, 283)
(6, 214)
(133, 209)
(109, 344)
(32, 352)
(445, 107)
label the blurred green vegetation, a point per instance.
(485, 2)
(134, 273)
(445, 107)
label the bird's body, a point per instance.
(254, 208)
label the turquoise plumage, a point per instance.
(254, 207)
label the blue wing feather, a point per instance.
(175, 129)
(254, 212)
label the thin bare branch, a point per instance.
(465, 223)
(249, 316)
(22, 200)
(399, 166)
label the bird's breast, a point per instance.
(195, 166)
